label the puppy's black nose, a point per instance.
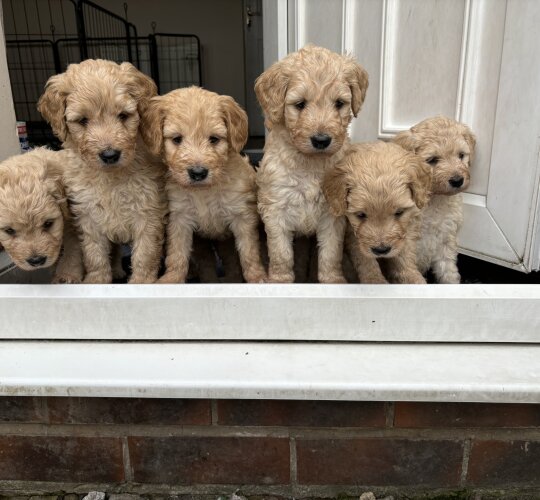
(456, 181)
(36, 260)
(110, 156)
(381, 250)
(321, 141)
(198, 173)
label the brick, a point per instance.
(22, 409)
(129, 411)
(210, 460)
(301, 413)
(501, 463)
(55, 458)
(379, 462)
(425, 415)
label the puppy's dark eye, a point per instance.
(461, 155)
(300, 105)
(83, 122)
(213, 139)
(48, 224)
(10, 231)
(399, 213)
(123, 117)
(433, 160)
(361, 215)
(177, 139)
(339, 104)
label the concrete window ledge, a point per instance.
(498, 373)
(334, 342)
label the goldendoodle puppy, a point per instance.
(448, 147)
(381, 189)
(34, 216)
(308, 99)
(211, 187)
(116, 189)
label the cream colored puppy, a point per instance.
(448, 146)
(116, 187)
(308, 99)
(381, 189)
(35, 222)
(211, 187)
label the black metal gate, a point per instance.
(44, 36)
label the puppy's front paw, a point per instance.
(450, 279)
(281, 278)
(97, 278)
(170, 279)
(373, 280)
(141, 279)
(257, 277)
(329, 279)
(66, 279)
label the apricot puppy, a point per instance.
(381, 189)
(210, 186)
(116, 186)
(448, 147)
(34, 216)
(308, 99)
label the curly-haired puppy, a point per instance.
(308, 99)
(211, 187)
(116, 188)
(448, 146)
(381, 188)
(34, 217)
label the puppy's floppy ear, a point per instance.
(336, 189)
(141, 87)
(271, 88)
(419, 174)
(151, 126)
(407, 140)
(52, 104)
(358, 80)
(237, 122)
(468, 135)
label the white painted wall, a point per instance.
(9, 142)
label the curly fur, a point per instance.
(381, 189)
(34, 216)
(330, 89)
(194, 128)
(93, 107)
(448, 146)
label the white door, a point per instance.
(475, 60)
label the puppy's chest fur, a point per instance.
(441, 220)
(119, 203)
(212, 211)
(290, 188)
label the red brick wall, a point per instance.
(281, 448)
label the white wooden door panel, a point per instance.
(422, 46)
(320, 22)
(474, 60)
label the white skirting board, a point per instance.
(348, 313)
(265, 370)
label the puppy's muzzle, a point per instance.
(36, 260)
(381, 250)
(321, 141)
(456, 181)
(197, 173)
(110, 156)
